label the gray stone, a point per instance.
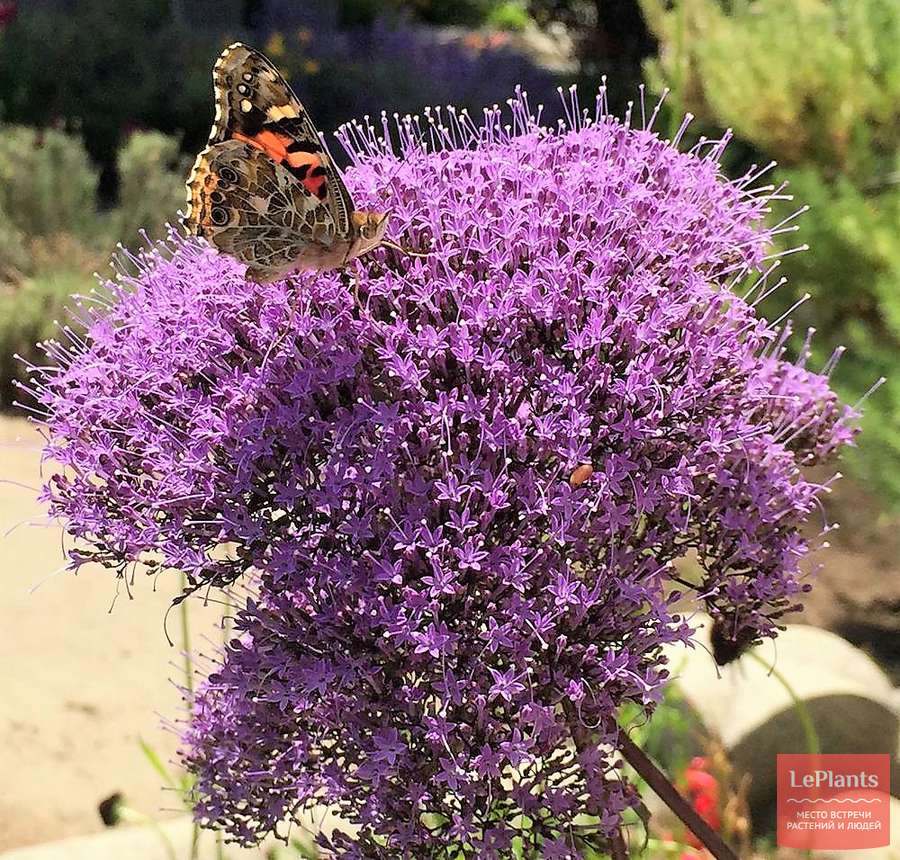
(851, 702)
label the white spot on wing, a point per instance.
(277, 112)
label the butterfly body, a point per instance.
(264, 190)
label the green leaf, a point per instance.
(157, 763)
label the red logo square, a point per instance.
(834, 802)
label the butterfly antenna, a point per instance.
(393, 174)
(395, 247)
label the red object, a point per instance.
(703, 794)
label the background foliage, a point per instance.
(826, 107)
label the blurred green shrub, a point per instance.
(511, 15)
(101, 68)
(152, 171)
(52, 236)
(815, 85)
(47, 182)
(28, 311)
(805, 81)
(49, 228)
(852, 273)
(13, 253)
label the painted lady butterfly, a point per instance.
(264, 190)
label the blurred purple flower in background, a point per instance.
(390, 62)
(442, 595)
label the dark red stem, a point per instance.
(618, 850)
(667, 792)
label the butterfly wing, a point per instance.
(256, 210)
(255, 104)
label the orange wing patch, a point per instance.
(307, 166)
(313, 176)
(272, 144)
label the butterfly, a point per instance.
(264, 190)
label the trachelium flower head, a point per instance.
(457, 483)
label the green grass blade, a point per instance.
(157, 764)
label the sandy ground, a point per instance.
(80, 683)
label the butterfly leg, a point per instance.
(257, 276)
(293, 304)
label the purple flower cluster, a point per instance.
(456, 484)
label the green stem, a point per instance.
(186, 644)
(189, 683)
(226, 619)
(226, 635)
(813, 745)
